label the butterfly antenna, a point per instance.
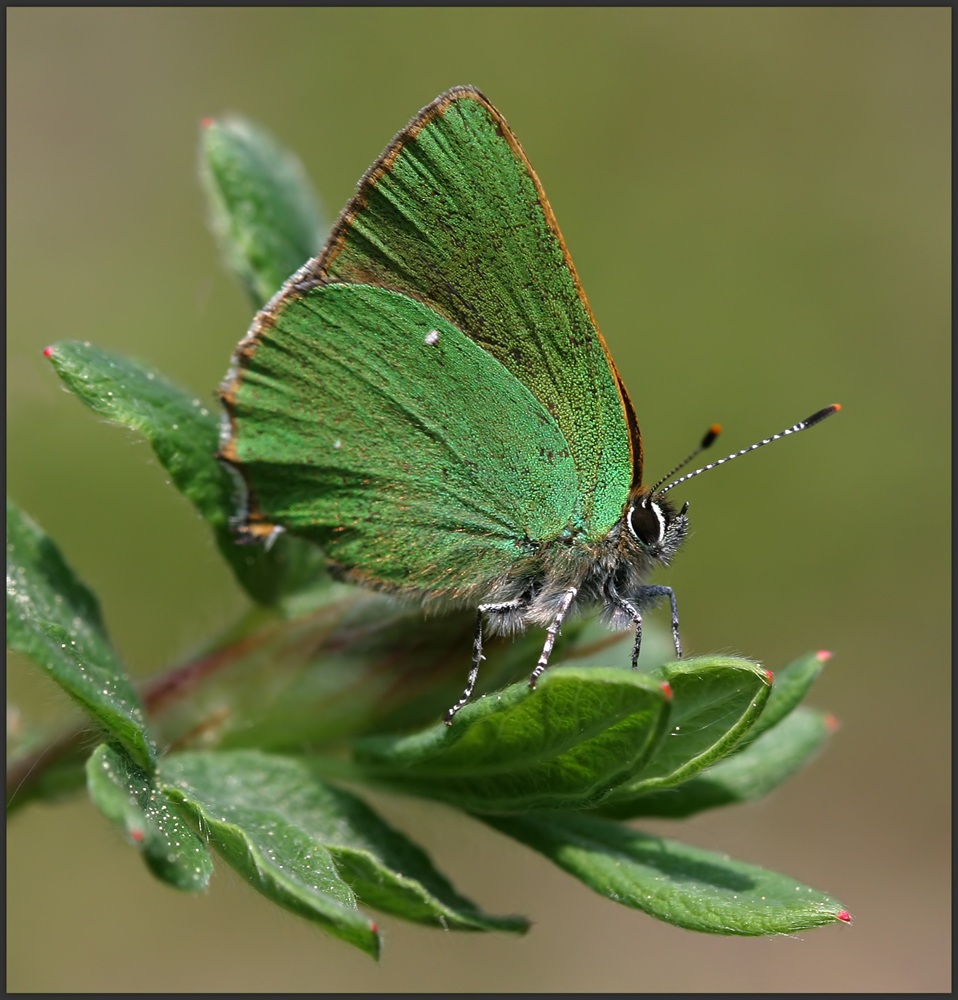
(815, 418)
(706, 442)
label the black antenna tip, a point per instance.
(710, 436)
(821, 415)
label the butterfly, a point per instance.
(431, 402)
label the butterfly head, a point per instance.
(656, 525)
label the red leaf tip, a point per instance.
(831, 723)
(375, 928)
(844, 916)
(48, 352)
(771, 676)
(207, 122)
(666, 690)
(137, 835)
(824, 654)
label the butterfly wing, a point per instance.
(366, 422)
(452, 214)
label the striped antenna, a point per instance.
(815, 418)
(710, 435)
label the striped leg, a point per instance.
(477, 656)
(633, 612)
(551, 632)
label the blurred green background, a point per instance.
(757, 201)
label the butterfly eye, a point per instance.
(646, 522)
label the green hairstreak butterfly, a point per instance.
(430, 400)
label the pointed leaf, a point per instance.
(130, 798)
(715, 701)
(263, 210)
(55, 619)
(281, 802)
(563, 745)
(744, 775)
(277, 856)
(791, 685)
(184, 434)
(682, 885)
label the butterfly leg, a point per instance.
(633, 612)
(477, 656)
(670, 593)
(551, 632)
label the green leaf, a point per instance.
(314, 848)
(183, 433)
(55, 619)
(277, 857)
(130, 798)
(263, 211)
(715, 701)
(796, 740)
(789, 688)
(563, 745)
(682, 885)
(744, 775)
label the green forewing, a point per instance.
(371, 425)
(452, 214)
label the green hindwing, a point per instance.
(369, 424)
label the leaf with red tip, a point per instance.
(130, 798)
(791, 685)
(675, 882)
(313, 848)
(563, 745)
(743, 776)
(716, 700)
